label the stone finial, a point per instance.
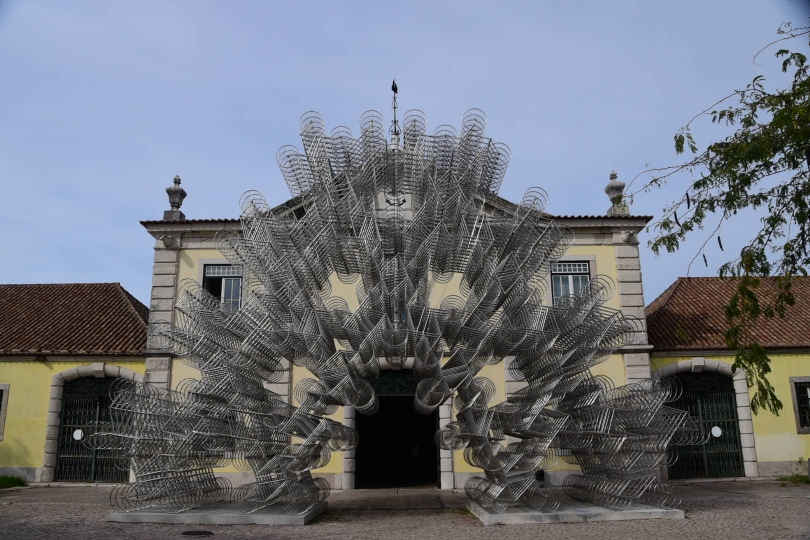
(615, 192)
(176, 196)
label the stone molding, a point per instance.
(347, 482)
(96, 369)
(746, 427)
(726, 352)
(446, 479)
(631, 299)
(161, 309)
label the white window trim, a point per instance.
(202, 263)
(801, 430)
(4, 408)
(590, 259)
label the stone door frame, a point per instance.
(97, 369)
(446, 475)
(743, 400)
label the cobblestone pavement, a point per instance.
(714, 510)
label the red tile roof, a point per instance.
(71, 319)
(690, 315)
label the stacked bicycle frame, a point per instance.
(399, 222)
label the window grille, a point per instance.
(570, 268)
(803, 403)
(223, 271)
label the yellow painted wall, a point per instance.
(189, 264)
(181, 371)
(605, 265)
(335, 464)
(497, 375)
(23, 443)
(614, 367)
(347, 291)
(775, 437)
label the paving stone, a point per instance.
(219, 515)
(570, 512)
(742, 510)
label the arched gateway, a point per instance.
(85, 402)
(710, 397)
(80, 400)
(441, 283)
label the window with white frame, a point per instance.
(224, 281)
(800, 387)
(569, 277)
(3, 407)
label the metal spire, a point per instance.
(395, 131)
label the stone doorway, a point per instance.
(85, 404)
(710, 400)
(397, 447)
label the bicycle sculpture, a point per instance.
(395, 220)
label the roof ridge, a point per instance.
(133, 304)
(662, 300)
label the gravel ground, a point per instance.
(717, 510)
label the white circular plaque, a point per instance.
(78, 434)
(716, 431)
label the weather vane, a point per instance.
(395, 131)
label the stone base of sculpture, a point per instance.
(220, 514)
(573, 512)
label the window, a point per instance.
(224, 282)
(800, 387)
(569, 277)
(3, 407)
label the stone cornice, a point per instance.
(607, 223)
(635, 349)
(724, 352)
(71, 357)
(628, 223)
(156, 228)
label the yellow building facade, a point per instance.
(687, 324)
(59, 343)
(186, 251)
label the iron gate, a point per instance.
(84, 402)
(709, 399)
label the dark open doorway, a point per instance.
(396, 447)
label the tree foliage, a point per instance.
(763, 165)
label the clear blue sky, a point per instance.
(104, 102)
